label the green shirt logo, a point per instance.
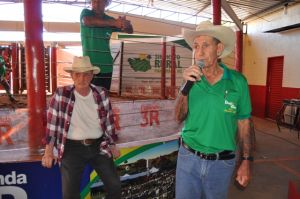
(230, 107)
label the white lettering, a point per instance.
(21, 179)
(13, 178)
(231, 104)
(10, 178)
(15, 192)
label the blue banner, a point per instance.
(29, 180)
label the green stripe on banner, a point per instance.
(84, 193)
(183, 43)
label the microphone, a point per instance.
(188, 85)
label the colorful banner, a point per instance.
(138, 122)
(145, 171)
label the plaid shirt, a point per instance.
(59, 117)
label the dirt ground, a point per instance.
(20, 103)
(6, 103)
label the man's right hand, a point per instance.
(192, 73)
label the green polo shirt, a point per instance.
(95, 42)
(2, 67)
(214, 110)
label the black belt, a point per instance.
(85, 142)
(223, 155)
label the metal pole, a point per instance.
(15, 68)
(121, 69)
(173, 71)
(35, 72)
(239, 51)
(53, 68)
(163, 69)
(216, 6)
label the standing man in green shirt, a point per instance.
(3, 80)
(96, 28)
(216, 107)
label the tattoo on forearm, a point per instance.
(181, 108)
(246, 136)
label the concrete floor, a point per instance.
(277, 161)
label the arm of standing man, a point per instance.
(121, 23)
(51, 132)
(111, 129)
(244, 133)
(193, 74)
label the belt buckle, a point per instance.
(84, 142)
(217, 156)
(201, 155)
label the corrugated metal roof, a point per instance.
(186, 11)
(190, 11)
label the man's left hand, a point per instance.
(115, 151)
(243, 173)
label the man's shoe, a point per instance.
(12, 98)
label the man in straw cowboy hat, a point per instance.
(80, 125)
(215, 108)
(96, 28)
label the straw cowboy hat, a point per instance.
(222, 33)
(82, 64)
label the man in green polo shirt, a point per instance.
(216, 107)
(3, 80)
(96, 28)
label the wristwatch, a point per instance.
(250, 158)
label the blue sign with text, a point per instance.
(29, 180)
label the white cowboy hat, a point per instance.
(224, 34)
(82, 64)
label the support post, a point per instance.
(15, 68)
(216, 6)
(53, 67)
(35, 72)
(239, 51)
(163, 69)
(173, 71)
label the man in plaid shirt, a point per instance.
(80, 126)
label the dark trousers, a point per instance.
(6, 86)
(102, 79)
(75, 158)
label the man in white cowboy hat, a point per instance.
(80, 125)
(96, 28)
(215, 108)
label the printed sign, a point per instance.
(141, 72)
(29, 180)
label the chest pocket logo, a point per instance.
(230, 102)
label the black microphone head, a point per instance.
(200, 63)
